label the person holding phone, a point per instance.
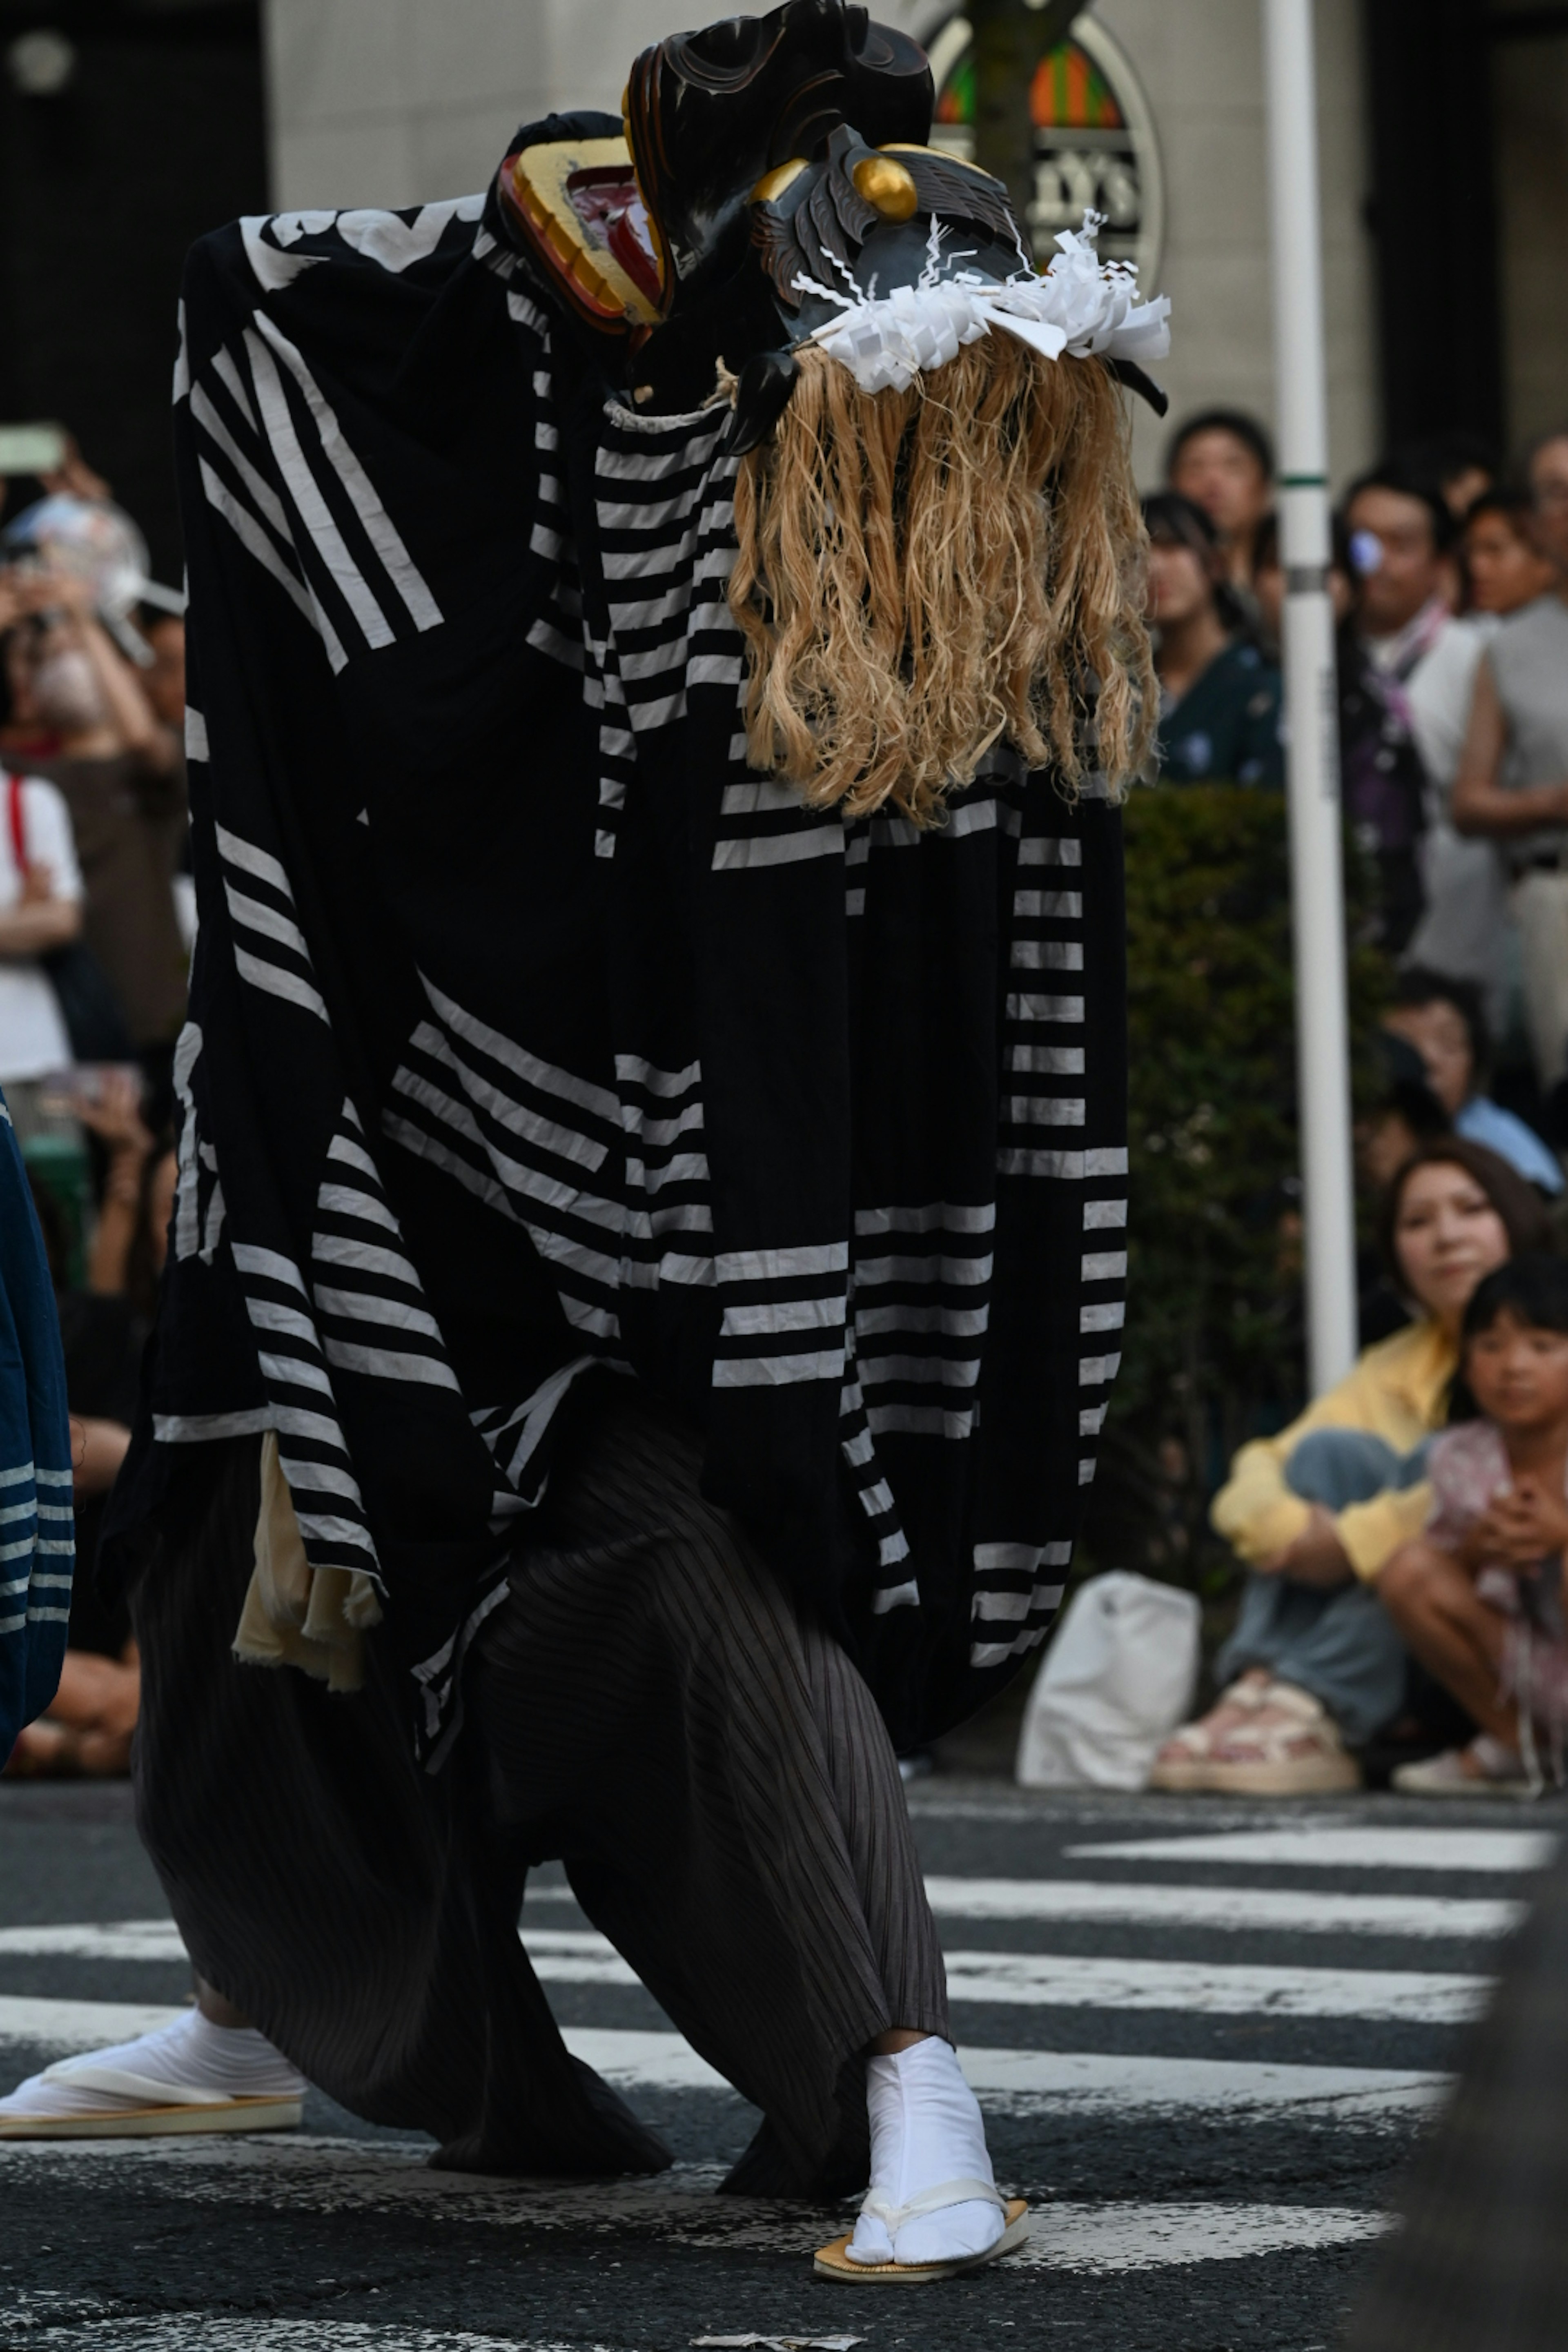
(96, 737)
(41, 909)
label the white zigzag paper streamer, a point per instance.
(1080, 307)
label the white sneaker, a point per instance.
(189, 2075)
(1493, 1770)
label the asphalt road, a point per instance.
(1205, 2063)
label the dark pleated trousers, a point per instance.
(648, 1706)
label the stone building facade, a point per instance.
(396, 101)
(127, 127)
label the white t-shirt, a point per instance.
(1437, 657)
(1441, 690)
(33, 1036)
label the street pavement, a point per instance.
(1206, 2036)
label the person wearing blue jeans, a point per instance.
(1315, 1666)
(1336, 1643)
(37, 1547)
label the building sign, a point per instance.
(1094, 141)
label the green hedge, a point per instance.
(1213, 1342)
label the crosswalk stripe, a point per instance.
(1049, 1980)
(71, 2025)
(1196, 1988)
(1048, 1900)
(1068, 2079)
(1030, 1979)
(666, 2062)
(1228, 1908)
(113, 1939)
(1064, 2079)
(1107, 2238)
(1326, 1847)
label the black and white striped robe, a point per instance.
(532, 1032)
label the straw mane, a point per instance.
(921, 574)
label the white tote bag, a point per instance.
(1118, 1679)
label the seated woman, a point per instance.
(1315, 1666)
(1479, 1594)
(1219, 700)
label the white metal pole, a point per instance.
(1311, 697)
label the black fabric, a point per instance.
(103, 1337)
(358, 1909)
(89, 1007)
(648, 1706)
(530, 1032)
(102, 1340)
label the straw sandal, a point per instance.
(207, 2115)
(832, 2261)
(112, 2096)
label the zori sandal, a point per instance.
(136, 2109)
(187, 2076)
(834, 2261)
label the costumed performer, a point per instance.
(665, 643)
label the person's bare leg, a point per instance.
(1456, 1636)
(89, 1720)
(216, 2009)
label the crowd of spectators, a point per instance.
(1393, 1601)
(1450, 588)
(95, 934)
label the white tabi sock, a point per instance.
(182, 2064)
(926, 2133)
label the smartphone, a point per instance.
(65, 1092)
(32, 448)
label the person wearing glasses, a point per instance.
(1513, 781)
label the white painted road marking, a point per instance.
(1329, 1848)
(666, 2062)
(581, 1955)
(1254, 1908)
(111, 1940)
(1049, 1980)
(1071, 2080)
(578, 1955)
(1066, 2080)
(676, 2209)
(1152, 2237)
(66, 2026)
(1202, 1989)
(1261, 1909)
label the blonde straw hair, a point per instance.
(923, 573)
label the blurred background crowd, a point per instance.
(1443, 133)
(1450, 588)
(97, 921)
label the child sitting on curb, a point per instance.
(1479, 1596)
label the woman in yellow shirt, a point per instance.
(1315, 1666)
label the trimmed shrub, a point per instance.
(1215, 1336)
